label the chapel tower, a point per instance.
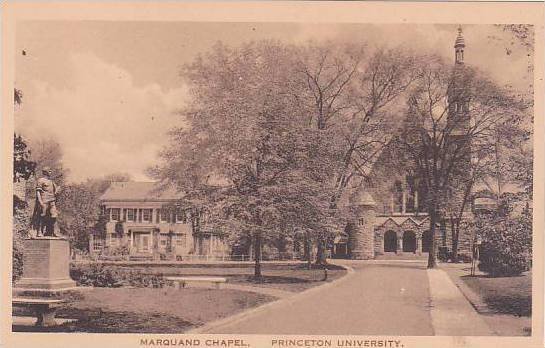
(458, 93)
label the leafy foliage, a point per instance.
(507, 245)
(23, 166)
(98, 275)
(80, 209)
(21, 222)
(450, 134)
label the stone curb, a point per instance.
(248, 313)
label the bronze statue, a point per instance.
(45, 212)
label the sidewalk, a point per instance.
(451, 313)
(374, 299)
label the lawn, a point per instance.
(509, 299)
(146, 308)
(149, 310)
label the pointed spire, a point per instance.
(459, 39)
(459, 46)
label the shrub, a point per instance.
(102, 276)
(21, 223)
(95, 275)
(507, 245)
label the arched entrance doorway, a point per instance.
(426, 241)
(390, 242)
(409, 242)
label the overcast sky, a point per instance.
(108, 91)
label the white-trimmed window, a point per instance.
(163, 215)
(181, 216)
(131, 214)
(116, 212)
(146, 215)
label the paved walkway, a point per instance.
(377, 298)
(452, 314)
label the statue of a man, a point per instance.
(45, 210)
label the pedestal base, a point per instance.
(46, 265)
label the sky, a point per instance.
(108, 92)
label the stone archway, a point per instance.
(390, 242)
(426, 241)
(409, 242)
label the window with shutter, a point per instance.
(115, 214)
(130, 214)
(146, 215)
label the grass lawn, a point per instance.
(167, 310)
(288, 277)
(509, 299)
(149, 310)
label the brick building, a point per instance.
(145, 219)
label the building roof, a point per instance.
(140, 191)
(362, 197)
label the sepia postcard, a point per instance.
(272, 174)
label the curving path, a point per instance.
(375, 299)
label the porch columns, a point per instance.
(132, 241)
(418, 250)
(399, 244)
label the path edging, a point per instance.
(247, 313)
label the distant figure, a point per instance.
(45, 210)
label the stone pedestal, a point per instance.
(46, 265)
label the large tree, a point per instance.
(48, 152)
(247, 157)
(349, 97)
(23, 169)
(452, 118)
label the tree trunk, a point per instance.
(455, 231)
(433, 223)
(257, 256)
(308, 251)
(443, 229)
(320, 252)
